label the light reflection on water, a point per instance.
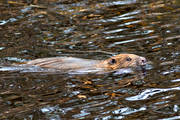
(125, 2)
(149, 93)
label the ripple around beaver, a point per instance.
(36, 69)
(118, 64)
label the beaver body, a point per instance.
(78, 64)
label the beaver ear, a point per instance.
(112, 61)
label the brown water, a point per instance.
(96, 30)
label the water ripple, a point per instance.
(125, 2)
(122, 17)
(149, 93)
(127, 41)
(127, 110)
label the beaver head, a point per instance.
(124, 61)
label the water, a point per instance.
(96, 30)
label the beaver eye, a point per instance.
(112, 61)
(128, 59)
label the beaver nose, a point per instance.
(143, 60)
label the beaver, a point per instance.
(88, 65)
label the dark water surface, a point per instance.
(90, 29)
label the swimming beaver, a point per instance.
(78, 64)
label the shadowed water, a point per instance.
(93, 30)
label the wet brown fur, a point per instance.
(71, 63)
(122, 61)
